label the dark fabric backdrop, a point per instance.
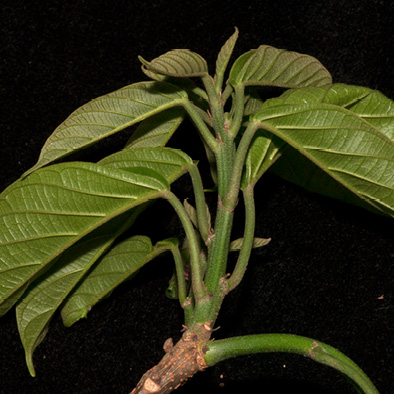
(328, 272)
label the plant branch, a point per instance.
(217, 262)
(201, 207)
(225, 151)
(227, 93)
(238, 105)
(247, 244)
(236, 173)
(265, 343)
(198, 286)
(181, 282)
(205, 133)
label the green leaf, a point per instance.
(178, 63)
(257, 243)
(371, 105)
(168, 162)
(118, 265)
(191, 212)
(368, 104)
(263, 152)
(37, 307)
(53, 208)
(11, 301)
(350, 150)
(108, 115)
(172, 289)
(224, 57)
(156, 130)
(269, 66)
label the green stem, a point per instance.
(247, 244)
(181, 282)
(217, 262)
(198, 286)
(218, 253)
(238, 105)
(201, 206)
(227, 93)
(236, 173)
(225, 150)
(206, 134)
(317, 351)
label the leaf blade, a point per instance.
(224, 57)
(111, 270)
(181, 63)
(170, 163)
(52, 209)
(347, 148)
(156, 130)
(371, 105)
(107, 115)
(269, 66)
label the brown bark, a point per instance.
(179, 364)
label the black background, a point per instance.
(327, 273)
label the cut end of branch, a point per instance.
(179, 364)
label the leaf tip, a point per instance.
(30, 365)
(143, 61)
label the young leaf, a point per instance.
(53, 208)
(191, 212)
(263, 152)
(118, 265)
(168, 162)
(156, 130)
(224, 57)
(269, 66)
(37, 307)
(339, 142)
(106, 116)
(257, 243)
(178, 63)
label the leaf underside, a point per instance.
(343, 145)
(118, 265)
(38, 305)
(50, 210)
(156, 130)
(370, 105)
(48, 292)
(107, 115)
(178, 63)
(269, 66)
